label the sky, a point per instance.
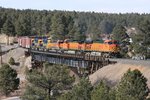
(108, 6)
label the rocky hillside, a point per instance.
(113, 73)
(20, 59)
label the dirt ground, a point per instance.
(113, 73)
(18, 55)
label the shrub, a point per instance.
(11, 61)
(8, 80)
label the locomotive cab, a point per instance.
(112, 45)
(45, 41)
(34, 42)
(110, 42)
(40, 42)
(60, 44)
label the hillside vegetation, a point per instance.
(113, 73)
(80, 25)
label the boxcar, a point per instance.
(24, 42)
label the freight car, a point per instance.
(107, 48)
(24, 42)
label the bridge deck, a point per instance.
(89, 62)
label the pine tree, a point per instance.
(141, 40)
(11, 61)
(132, 86)
(23, 25)
(8, 27)
(8, 80)
(100, 92)
(112, 94)
(119, 34)
(82, 91)
(47, 84)
(66, 96)
(58, 27)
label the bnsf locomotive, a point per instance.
(107, 48)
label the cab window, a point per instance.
(45, 40)
(36, 40)
(49, 41)
(40, 41)
(110, 42)
(32, 40)
(115, 42)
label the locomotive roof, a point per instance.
(39, 36)
(109, 40)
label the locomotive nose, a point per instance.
(116, 48)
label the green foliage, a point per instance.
(76, 26)
(8, 80)
(23, 25)
(61, 25)
(11, 61)
(66, 96)
(132, 86)
(112, 94)
(47, 84)
(119, 33)
(106, 26)
(8, 27)
(33, 22)
(100, 92)
(141, 41)
(82, 91)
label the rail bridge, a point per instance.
(84, 63)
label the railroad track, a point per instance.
(144, 63)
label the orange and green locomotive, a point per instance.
(106, 48)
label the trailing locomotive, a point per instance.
(107, 48)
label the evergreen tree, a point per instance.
(106, 26)
(11, 61)
(8, 27)
(119, 34)
(112, 94)
(46, 24)
(8, 80)
(23, 25)
(132, 86)
(76, 25)
(81, 91)
(66, 96)
(38, 26)
(47, 84)
(100, 92)
(58, 26)
(141, 40)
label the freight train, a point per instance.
(107, 48)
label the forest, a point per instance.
(78, 25)
(54, 82)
